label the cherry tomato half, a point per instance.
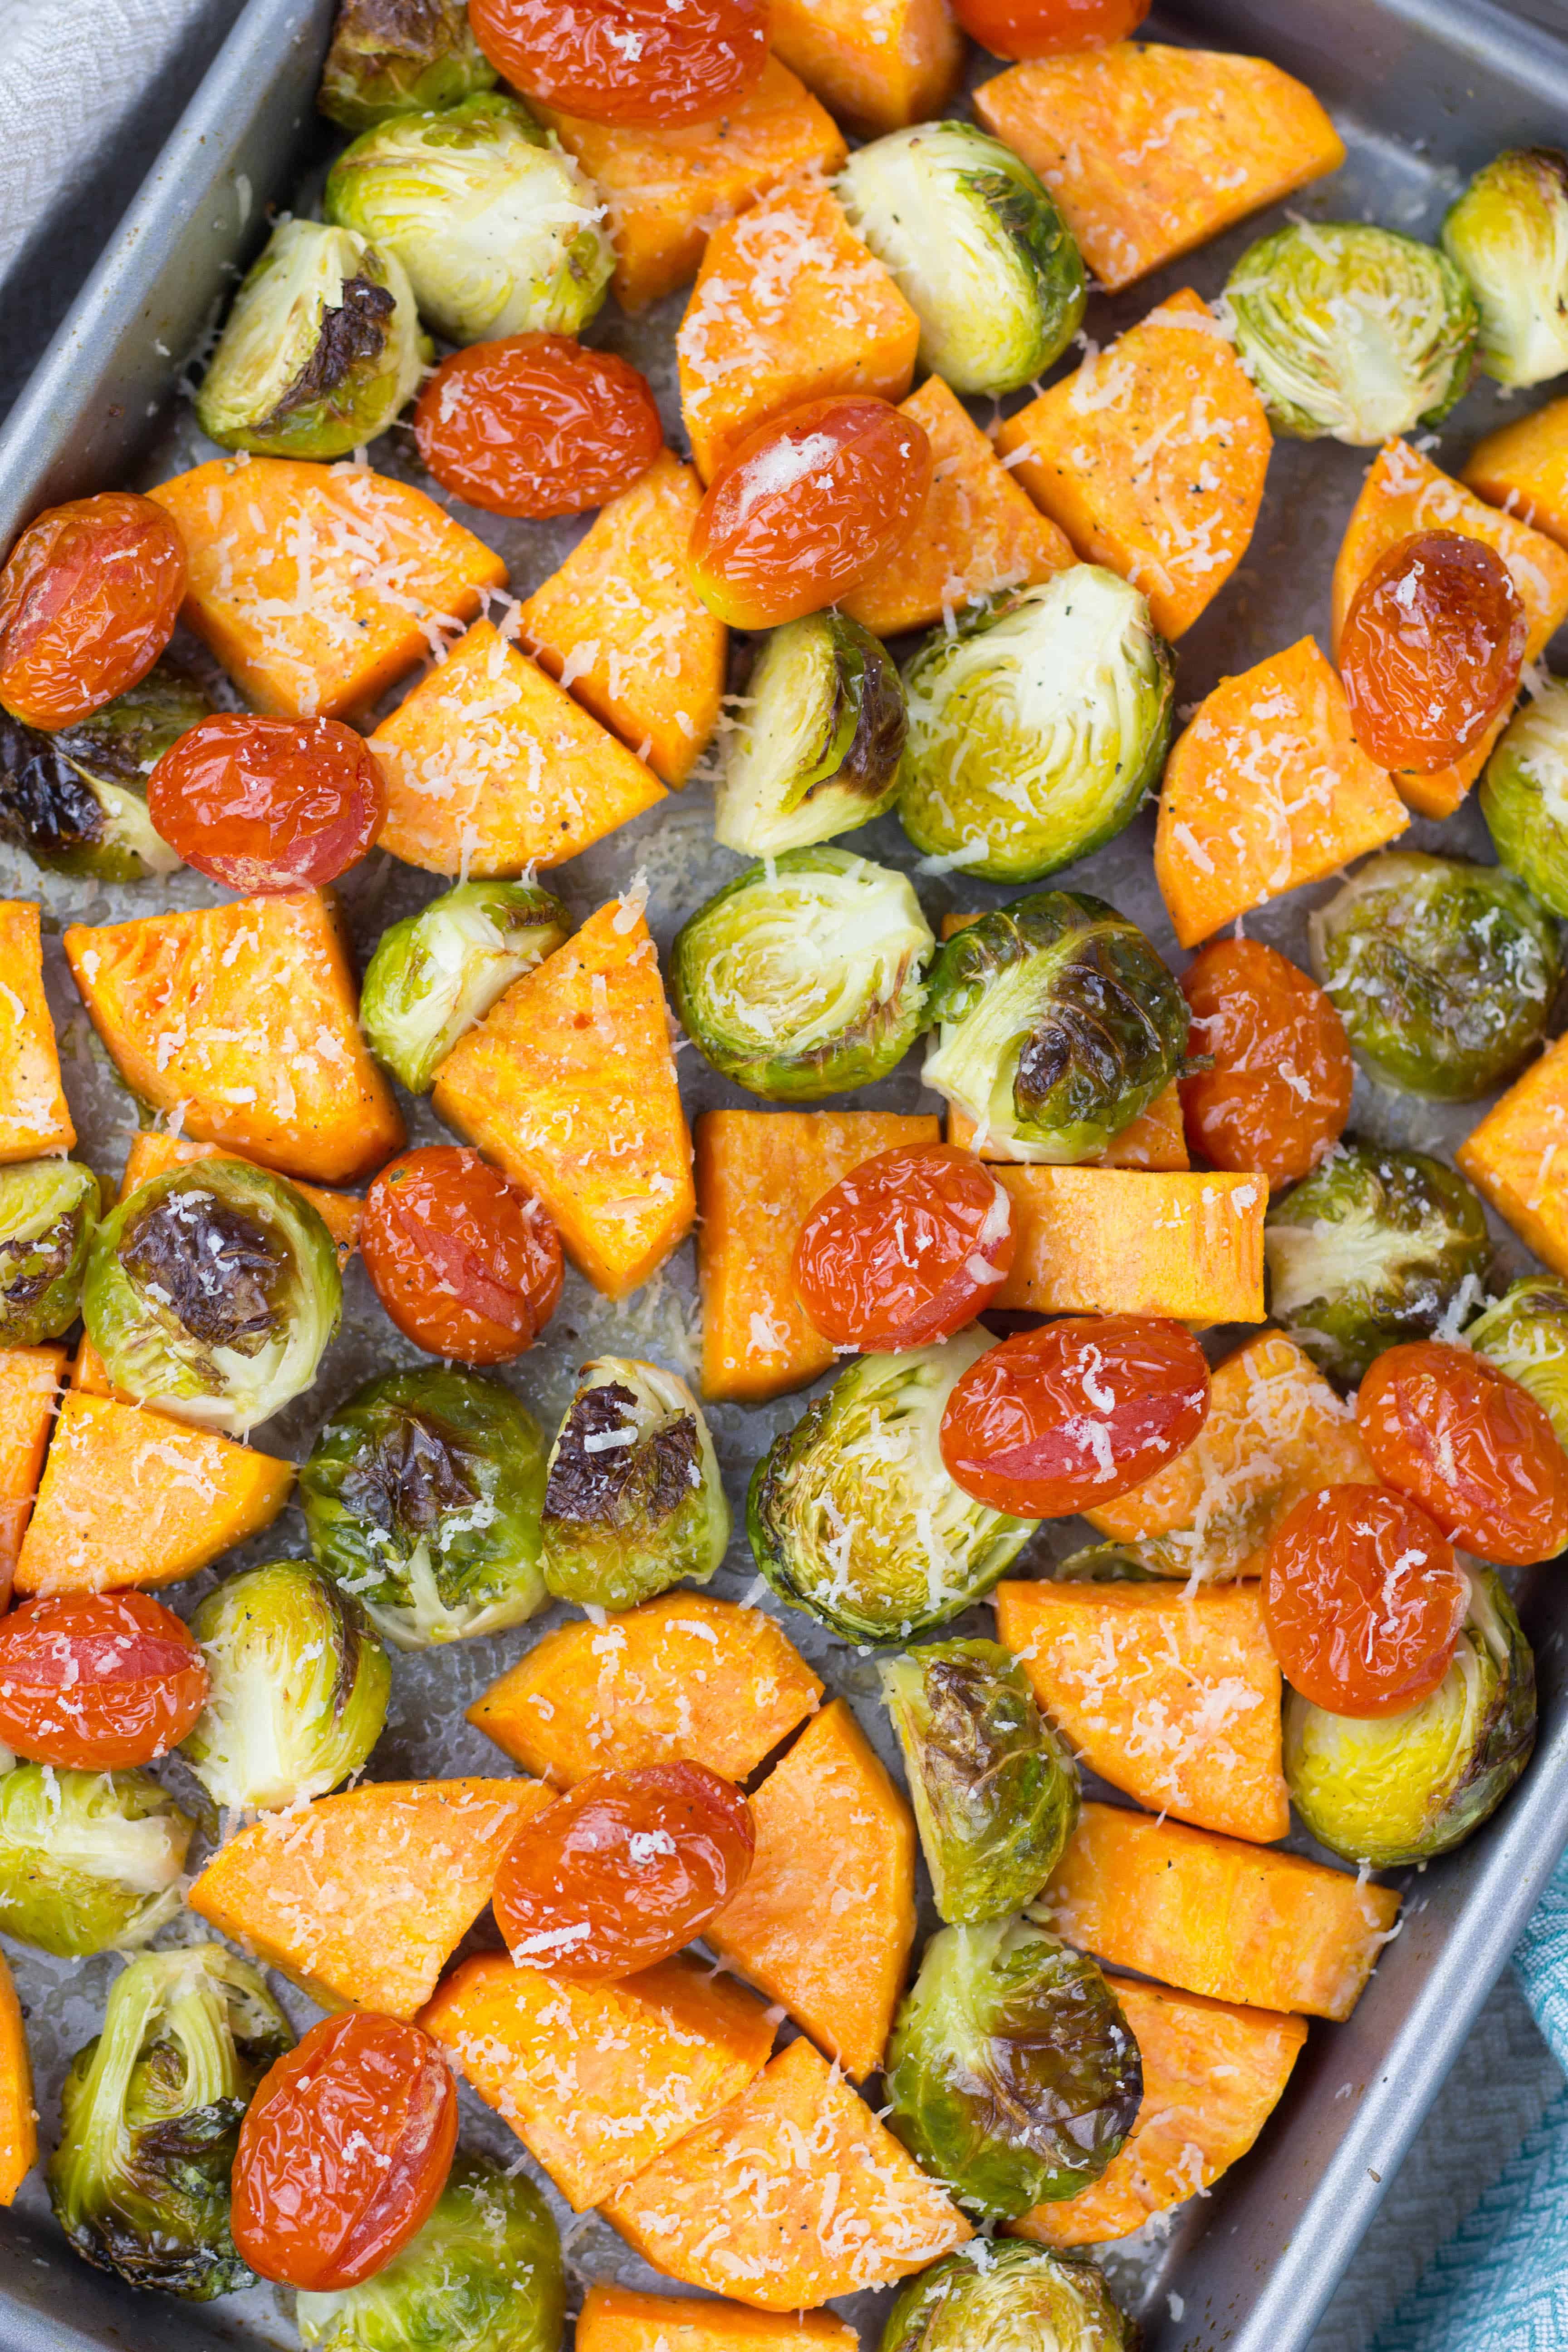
(343, 2151)
(264, 804)
(1363, 1600)
(89, 599)
(1074, 1413)
(1278, 1095)
(656, 62)
(906, 1249)
(465, 1262)
(536, 426)
(1472, 1446)
(95, 1681)
(1431, 650)
(1043, 28)
(625, 1870)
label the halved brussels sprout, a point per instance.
(1012, 2075)
(1509, 233)
(391, 56)
(1008, 2297)
(434, 974)
(806, 975)
(995, 1790)
(852, 1515)
(1036, 728)
(49, 1215)
(500, 231)
(1524, 795)
(1373, 1248)
(298, 1687)
(1396, 1788)
(151, 2109)
(211, 1292)
(77, 801)
(1054, 1025)
(422, 1497)
(1351, 332)
(89, 1862)
(979, 250)
(1444, 973)
(633, 1499)
(817, 751)
(321, 349)
(1525, 1334)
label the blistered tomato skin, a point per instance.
(536, 426)
(1364, 1600)
(1276, 1101)
(806, 508)
(343, 2151)
(266, 804)
(465, 1262)
(623, 1870)
(1473, 1447)
(89, 599)
(1054, 1421)
(98, 1680)
(1431, 651)
(1045, 28)
(654, 62)
(906, 1249)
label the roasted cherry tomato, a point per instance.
(655, 62)
(623, 1870)
(94, 1681)
(1472, 1446)
(1278, 1095)
(1043, 28)
(344, 2149)
(89, 600)
(536, 426)
(1363, 1600)
(1431, 650)
(906, 1249)
(465, 1262)
(269, 803)
(807, 507)
(1074, 1413)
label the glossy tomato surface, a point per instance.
(89, 599)
(1278, 1096)
(1431, 650)
(1045, 28)
(465, 1262)
(96, 1681)
(265, 804)
(906, 1249)
(1472, 1446)
(1363, 1600)
(537, 425)
(654, 62)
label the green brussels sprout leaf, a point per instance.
(393, 57)
(89, 1862)
(435, 974)
(1524, 795)
(633, 1499)
(1508, 234)
(999, 2295)
(49, 1215)
(817, 751)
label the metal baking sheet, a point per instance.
(1423, 90)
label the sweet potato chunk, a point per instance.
(1266, 790)
(1151, 152)
(1212, 1916)
(569, 1084)
(19, 2121)
(29, 1383)
(1523, 468)
(788, 306)
(794, 2194)
(33, 1117)
(1119, 1241)
(317, 586)
(1213, 2075)
(1518, 1156)
(827, 1918)
(597, 2080)
(684, 1675)
(1171, 1696)
(878, 68)
(615, 2319)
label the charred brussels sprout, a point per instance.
(1012, 2076)
(1396, 1788)
(498, 228)
(321, 350)
(77, 801)
(977, 245)
(1443, 973)
(1524, 795)
(1036, 728)
(391, 56)
(1352, 332)
(995, 1792)
(852, 1515)
(89, 1862)
(151, 2110)
(1010, 2298)
(1372, 1248)
(1509, 233)
(1525, 1334)
(435, 974)
(817, 751)
(633, 1499)
(422, 1497)
(804, 976)
(211, 1292)
(1055, 1024)
(49, 1215)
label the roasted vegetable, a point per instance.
(1016, 2296)
(1524, 795)
(633, 1499)
(89, 1862)
(1525, 1334)
(434, 973)
(49, 1215)
(77, 801)
(1508, 234)
(815, 752)
(390, 56)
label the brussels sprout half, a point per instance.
(1444, 973)
(435, 974)
(979, 250)
(1524, 795)
(1012, 2076)
(1509, 233)
(392, 57)
(89, 1862)
(804, 976)
(1002, 2296)
(77, 800)
(321, 350)
(500, 231)
(422, 1496)
(633, 1499)
(1054, 1025)
(817, 751)
(852, 1515)
(49, 1215)
(212, 1291)
(1395, 1789)
(1351, 332)
(151, 2109)
(1036, 728)
(1525, 1334)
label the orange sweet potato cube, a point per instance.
(34, 1117)
(1120, 1241)
(1523, 468)
(1518, 1156)
(18, 2118)
(878, 68)
(617, 2319)
(29, 1383)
